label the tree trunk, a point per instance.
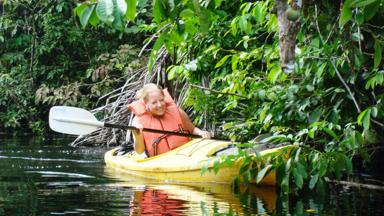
(287, 34)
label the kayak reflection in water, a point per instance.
(155, 109)
(155, 202)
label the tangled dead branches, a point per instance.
(115, 109)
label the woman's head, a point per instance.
(154, 99)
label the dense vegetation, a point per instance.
(329, 106)
(47, 59)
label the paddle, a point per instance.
(77, 121)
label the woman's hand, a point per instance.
(205, 134)
(139, 128)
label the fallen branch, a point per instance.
(355, 184)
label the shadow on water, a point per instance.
(50, 178)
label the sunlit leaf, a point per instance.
(80, 9)
(104, 10)
(131, 9)
(121, 6)
(364, 118)
(222, 61)
(243, 23)
(262, 172)
(85, 15)
(158, 11)
(94, 19)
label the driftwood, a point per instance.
(356, 184)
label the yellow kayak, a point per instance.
(184, 164)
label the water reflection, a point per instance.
(39, 178)
(156, 198)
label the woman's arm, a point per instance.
(192, 128)
(138, 136)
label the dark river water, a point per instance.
(49, 178)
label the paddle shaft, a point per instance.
(126, 127)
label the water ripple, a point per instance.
(49, 159)
(60, 174)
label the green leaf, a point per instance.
(297, 155)
(274, 74)
(216, 166)
(313, 181)
(378, 56)
(363, 3)
(374, 112)
(222, 61)
(85, 15)
(243, 23)
(298, 178)
(261, 174)
(235, 60)
(187, 13)
(364, 118)
(104, 10)
(94, 19)
(131, 9)
(174, 71)
(288, 165)
(370, 11)
(204, 169)
(80, 9)
(258, 14)
(331, 133)
(121, 7)
(158, 11)
(346, 13)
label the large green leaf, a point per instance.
(313, 181)
(94, 19)
(131, 11)
(104, 10)
(370, 11)
(364, 118)
(378, 54)
(85, 15)
(80, 9)
(121, 6)
(298, 178)
(346, 13)
(363, 3)
(158, 11)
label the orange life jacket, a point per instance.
(156, 143)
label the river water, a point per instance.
(50, 178)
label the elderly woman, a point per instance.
(155, 109)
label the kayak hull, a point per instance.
(183, 164)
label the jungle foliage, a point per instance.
(47, 59)
(329, 107)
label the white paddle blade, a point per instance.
(72, 120)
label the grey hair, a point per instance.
(148, 88)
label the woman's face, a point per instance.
(156, 103)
